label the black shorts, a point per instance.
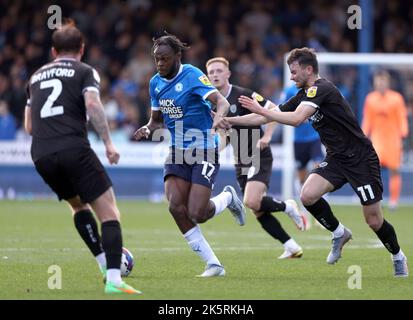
(304, 152)
(363, 176)
(74, 172)
(193, 165)
(250, 173)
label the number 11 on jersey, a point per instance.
(363, 192)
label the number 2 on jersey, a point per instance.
(48, 110)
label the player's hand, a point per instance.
(142, 132)
(220, 122)
(250, 104)
(263, 143)
(112, 154)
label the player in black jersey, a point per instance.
(253, 160)
(60, 94)
(350, 157)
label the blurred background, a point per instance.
(253, 35)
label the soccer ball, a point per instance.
(127, 263)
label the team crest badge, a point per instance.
(204, 79)
(311, 92)
(258, 97)
(233, 108)
(178, 87)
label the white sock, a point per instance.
(113, 275)
(339, 231)
(398, 256)
(101, 259)
(200, 246)
(291, 245)
(221, 201)
(288, 207)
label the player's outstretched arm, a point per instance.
(155, 122)
(295, 118)
(97, 116)
(247, 120)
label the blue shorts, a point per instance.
(193, 165)
(306, 152)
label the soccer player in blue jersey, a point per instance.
(181, 97)
(307, 144)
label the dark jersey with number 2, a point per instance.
(55, 95)
(334, 121)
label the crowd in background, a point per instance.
(252, 35)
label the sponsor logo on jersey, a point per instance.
(204, 79)
(167, 106)
(178, 87)
(316, 117)
(257, 97)
(311, 92)
(323, 164)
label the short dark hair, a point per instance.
(170, 40)
(67, 38)
(382, 73)
(304, 57)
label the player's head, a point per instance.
(303, 65)
(67, 39)
(167, 53)
(381, 80)
(218, 71)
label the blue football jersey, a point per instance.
(185, 111)
(304, 132)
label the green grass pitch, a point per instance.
(35, 235)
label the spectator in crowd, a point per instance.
(7, 122)
(254, 35)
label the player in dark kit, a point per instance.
(350, 157)
(59, 95)
(253, 160)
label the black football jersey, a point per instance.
(334, 120)
(247, 136)
(55, 95)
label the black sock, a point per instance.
(388, 236)
(88, 229)
(273, 227)
(112, 243)
(268, 204)
(322, 212)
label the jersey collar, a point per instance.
(229, 91)
(71, 59)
